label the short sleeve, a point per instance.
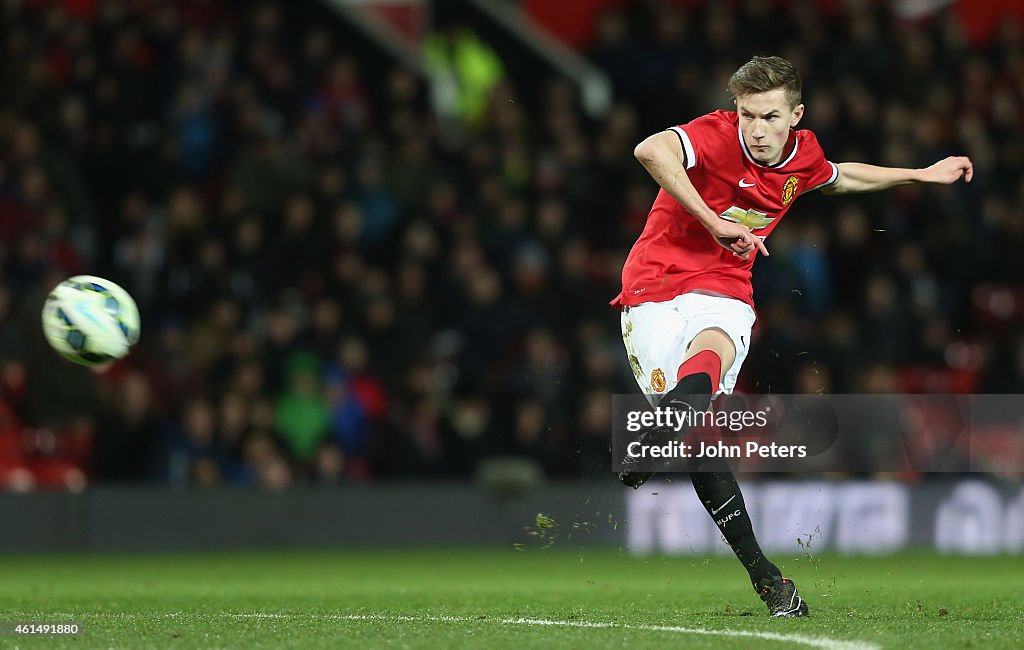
(825, 176)
(824, 171)
(698, 137)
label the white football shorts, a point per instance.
(657, 334)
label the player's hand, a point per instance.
(737, 238)
(949, 170)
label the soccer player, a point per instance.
(727, 178)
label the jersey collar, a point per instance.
(746, 152)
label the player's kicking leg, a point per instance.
(708, 353)
(691, 394)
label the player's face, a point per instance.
(765, 121)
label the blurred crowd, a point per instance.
(336, 286)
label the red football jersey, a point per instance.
(676, 254)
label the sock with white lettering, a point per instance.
(712, 479)
(718, 490)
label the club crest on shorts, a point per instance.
(658, 380)
(789, 189)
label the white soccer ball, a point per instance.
(90, 321)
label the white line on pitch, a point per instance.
(824, 643)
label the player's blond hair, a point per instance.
(764, 73)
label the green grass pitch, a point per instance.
(535, 598)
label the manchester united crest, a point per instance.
(789, 189)
(658, 380)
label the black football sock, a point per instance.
(712, 479)
(692, 393)
(693, 390)
(718, 490)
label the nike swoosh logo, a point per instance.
(715, 512)
(742, 184)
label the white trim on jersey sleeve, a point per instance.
(691, 156)
(833, 179)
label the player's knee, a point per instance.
(715, 340)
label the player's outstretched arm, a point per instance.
(859, 177)
(663, 158)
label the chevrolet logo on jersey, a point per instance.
(750, 218)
